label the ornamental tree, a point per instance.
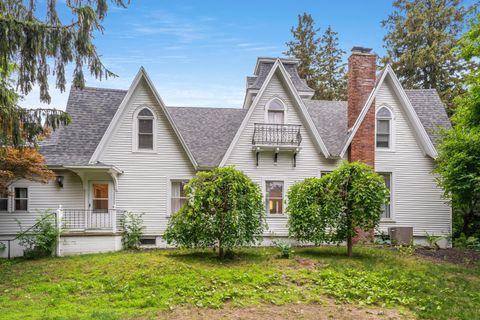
(224, 210)
(332, 208)
(24, 163)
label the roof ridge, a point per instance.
(99, 88)
(209, 108)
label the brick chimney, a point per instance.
(361, 81)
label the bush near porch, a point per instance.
(148, 284)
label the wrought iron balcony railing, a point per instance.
(276, 134)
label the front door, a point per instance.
(99, 215)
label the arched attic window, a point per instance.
(384, 128)
(145, 120)
(276, 111)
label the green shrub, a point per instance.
(332, 208)
(433, 240)
(285, 249)
(468, 243)
(41, 240)
(224, 209)
(132, 230)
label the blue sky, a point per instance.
(198, 53)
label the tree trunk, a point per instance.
(349, 246)
(221, 254)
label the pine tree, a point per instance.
(332, 81)
(420, 43)
(304, 47)
(32, 49)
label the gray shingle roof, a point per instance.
(430, 110)
(264, 68)
(207, 132)
(330, 119)
(91, 110)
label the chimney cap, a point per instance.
(362, 50)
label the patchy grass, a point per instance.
(150, 283)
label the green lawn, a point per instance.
(147, 283)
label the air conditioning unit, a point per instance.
(401, 235)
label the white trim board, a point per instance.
(303, 112)
(420, 133)
(142, 74)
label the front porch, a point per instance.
(89, 220)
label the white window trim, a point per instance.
(13, 198)
(135, 148)
(9, 201)
(283, 215)
(392, 195)
(285, 110)
(391, 142)
(169, 191)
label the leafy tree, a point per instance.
(332, 75)
(421, 36)
(224, 209)
(304, 47)
(320, 59)
(24, 163)
(332, 208)
(459, 153)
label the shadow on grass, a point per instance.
(333, 253)
(208, 256)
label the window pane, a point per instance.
(145, 113)
(275, 117)
(178, 197)
(145, 126)
(21, 193)
(3, 204)
(384, 113)
(274, 197)
(145, 141)
(383, 140)
(100, 191)
(383, 126)
(275, 105)
(21, 204)
(100, 204)
(386, 208)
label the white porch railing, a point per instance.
(88, 219)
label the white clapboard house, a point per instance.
(128, 150)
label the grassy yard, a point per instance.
(151, 284)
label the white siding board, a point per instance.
(309, 161)
(417, 200)
(43, 197)
(142, 188)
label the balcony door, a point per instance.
(275, 117)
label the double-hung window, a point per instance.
(274, 197)
(384, 126)
(21, 199)
(387, 208)
(145, 129)
(178, 195)
(276, 112)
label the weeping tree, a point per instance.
(332, 209)
(31, 49)
(224, 210)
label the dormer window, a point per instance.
(276, 111)
(145, 122)
(384, 128)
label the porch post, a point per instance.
(59, 215)
(114, 219)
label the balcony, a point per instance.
(277, 138)
(81, 220)
(269, 134)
